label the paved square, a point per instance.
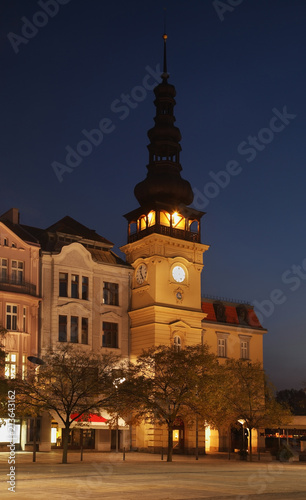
(145, 477)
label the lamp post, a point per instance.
(242, 422)
(39, 362)
(116, 383)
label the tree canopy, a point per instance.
(162, 385)
(70, 382)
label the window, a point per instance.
(74, 329)
(62, 328)
(244, 346)
(220, 312)
(84, 331)
(5, 242)
(11, 317)
(75, 286)
(72, 283)
(177, 343)
(111, 294)
(17, 271)
(222, 348)
(24, 366)
(24, 319)
(63, 284)
(244, 349)
(3, 269)
(84, 288)
(10, 365)
(110, 335)
(64, 324)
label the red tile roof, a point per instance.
(230, 313)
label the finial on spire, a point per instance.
(165, 74)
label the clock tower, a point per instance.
(164, 240)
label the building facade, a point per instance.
(165, 250)
(92, 298)
(19, 303)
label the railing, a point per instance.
(167, 231)
(9, 285)
(225, 299)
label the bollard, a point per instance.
(162, 453)
(123, 454)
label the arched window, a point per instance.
(177, 343)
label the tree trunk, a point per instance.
(204, 451)
(65, 434)
(197, 438)
(170, 445)
(251, 454)
(229, 440)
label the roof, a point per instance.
(106, 256)
(230, 313)
(21, 232)
(68, 225)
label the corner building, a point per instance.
(164, 248)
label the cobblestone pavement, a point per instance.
(145, 477)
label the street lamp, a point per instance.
(242, 422)
(116, 383)
(39, 362)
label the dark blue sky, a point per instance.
(234, 78)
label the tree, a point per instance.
(162, 385)
(248, 396)
(70, 382)
(295, 399)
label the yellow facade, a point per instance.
(162, 307)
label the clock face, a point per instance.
(141, 273)
(178, 274)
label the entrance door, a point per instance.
(178, 436)
(113, 439)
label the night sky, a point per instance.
(239, 71)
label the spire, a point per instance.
(164, 182)
(165, 74)
(164, 196)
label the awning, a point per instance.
(90, 421)
(91, 417)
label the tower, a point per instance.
(164, 245)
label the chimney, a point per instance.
(12, 215)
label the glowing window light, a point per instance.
(178, 221)
(142, 222)
(165, 218)
(151, 218)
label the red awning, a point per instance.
(90, 417)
